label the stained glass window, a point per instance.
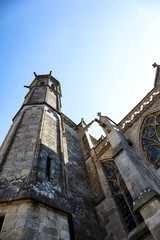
(151, 139)
(122, 196)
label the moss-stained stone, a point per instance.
(144, 196)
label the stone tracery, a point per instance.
(151, 139)
(122, 196)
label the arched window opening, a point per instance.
(151, 139)
(125, 211)
(122, 196)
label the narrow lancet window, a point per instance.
(122, 196)
(48, 168)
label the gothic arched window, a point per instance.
(151, 139)
(122, 196)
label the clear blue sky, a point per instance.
(101, 51)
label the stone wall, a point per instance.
(78, 188)
(37, 95)
(52, 98)
(30, 220)
(50, 147)
(39, 136)
(18, 157)
(151, 214)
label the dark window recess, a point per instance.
(48, 168)
(54, 87)
(139, 217)
(126, 213)
(42, 83)
(1, 222)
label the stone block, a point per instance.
(8, 225)
(65, 235)
(28, 234)
(30, 224)
(20, 223)
(49, 230)
(62, 223)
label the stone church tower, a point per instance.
(58, 182)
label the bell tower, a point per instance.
(44, 89)
(35, 132)
(44, 187)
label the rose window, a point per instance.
(151, 139)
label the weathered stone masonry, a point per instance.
(58, 182)
(41, 160)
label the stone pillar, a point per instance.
(151, 214)
(106, 209)
(91, 161)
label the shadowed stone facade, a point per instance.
(58, 182)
